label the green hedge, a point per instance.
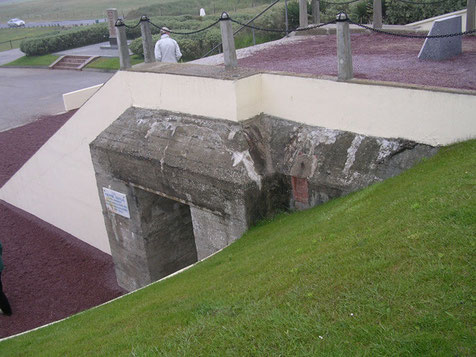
(192, 47)
(394, 12)
(65, 40)
(99, 33)
(195, 46)
(397, 12)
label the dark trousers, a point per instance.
(4, 304)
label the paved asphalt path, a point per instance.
(102, 49)
(10, 55)
(27, 94)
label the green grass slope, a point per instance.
(388, 271)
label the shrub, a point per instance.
(393, 11)
(398, 12)
(74, 38)
(65, 40)
(196, 45)
(362, 11)
(293, 13)
(192, 47)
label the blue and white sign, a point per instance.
(116, 202)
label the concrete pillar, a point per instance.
(470, 15)
(147, 43)
(316, 12)
(377, 21)
(303, 22)
(124, 58)
(228, 41)
(111, 21)
(344, 53)
(286, 20)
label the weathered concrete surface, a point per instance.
(194, 184)
(345, 70)
(124, 57)
(228, 42)
(147, 42)
(196, 70)
(377, 14)
(203, 163)
(332, 163)
(303, 17)
(439, 49)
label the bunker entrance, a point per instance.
(167, 233)
(194, 185)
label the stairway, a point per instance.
(72, 62)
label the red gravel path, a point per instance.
(48, 273)
(375, 56)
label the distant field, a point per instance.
(39, 10)
(42, 10)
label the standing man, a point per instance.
(167, 49)
(4, 305)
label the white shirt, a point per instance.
(167, 50)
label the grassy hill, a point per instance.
(386, 271)
(40, 10)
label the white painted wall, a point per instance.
(429, 117)
(76, 99)
(249, 97)
(58, 184)
(187, 94)
(428, 23)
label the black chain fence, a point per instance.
(423, 2)
(282, 30)
(121, 23)
(186, 33)
(341, 3)
(225, 17)
(411, 36)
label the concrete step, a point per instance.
(72, 62)
(66, 66)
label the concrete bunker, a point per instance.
(193, 185)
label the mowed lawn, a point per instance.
(387, 271)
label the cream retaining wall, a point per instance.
(428, 117)
(76, 99)
(428, 23)
(187, 94)
(58, 184)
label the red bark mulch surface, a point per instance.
(374, 56)
(49, 274)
